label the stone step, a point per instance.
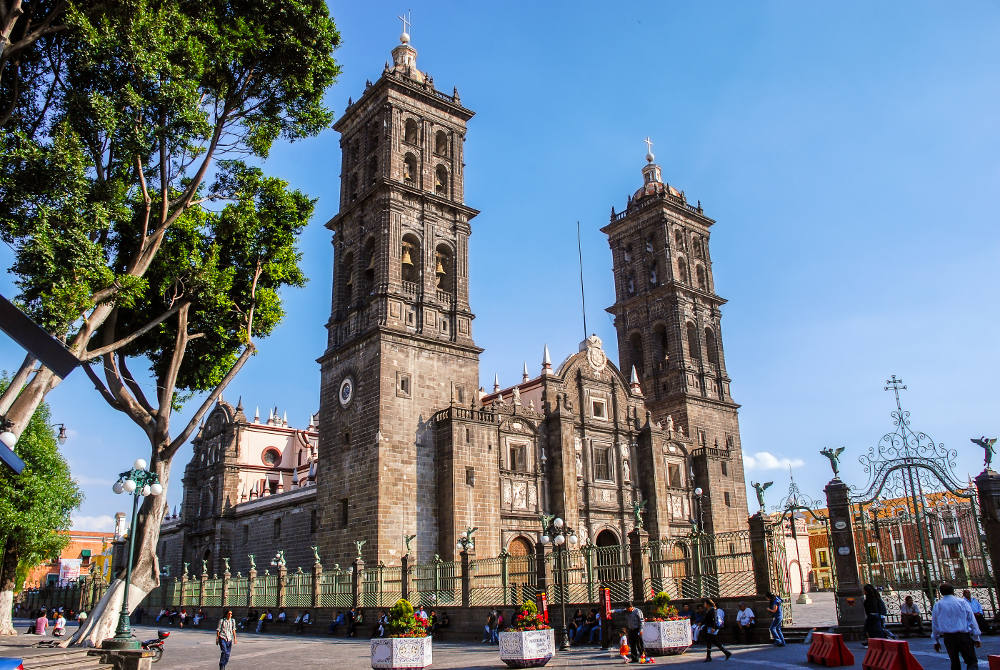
(75, 659)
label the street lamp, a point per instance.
(698, 526)
(136, 482)
(558, 533)
(465, 541)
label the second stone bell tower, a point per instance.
(400, 341)
(669, 324)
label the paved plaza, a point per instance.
(196, 650)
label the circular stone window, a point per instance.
(271, 457)
(346, 391)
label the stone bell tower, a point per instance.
(668, 319)
(399, 342)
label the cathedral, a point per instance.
(407, 451)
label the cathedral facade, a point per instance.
(409, 450)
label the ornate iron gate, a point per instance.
(915, 525)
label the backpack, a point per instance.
(720, 617)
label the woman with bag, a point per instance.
(875, 610)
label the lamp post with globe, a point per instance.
(135, 482)
(562, 537)
(698, 530)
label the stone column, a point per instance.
(404, 576)
(282, 581)
(251, 578)
(184, 579)
(317, 581)
(225, 588)
(988, 487)
(357, 582)
(201, 588)
(850, 606)
(639, 562)
(467, 556)
(543, 567)
(759, 554)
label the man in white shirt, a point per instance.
(745, 620)
(953, 623)
(977, 610)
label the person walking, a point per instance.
(714, 620)
(774, 607)
(225, 637)
(875, 609)
(953, 623)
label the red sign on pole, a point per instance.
(606, 600)
(543, 605)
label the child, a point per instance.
(623, 649)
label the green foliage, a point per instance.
(403, 622)
(123, 173)
(36, 505)
(527, 618)
(662, 609)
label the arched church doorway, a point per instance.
(521, 569)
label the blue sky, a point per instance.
(849, 153)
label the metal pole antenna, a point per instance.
(583, 295)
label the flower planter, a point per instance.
(401, 653)
(527, 648)
(662, 638)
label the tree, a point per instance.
(142, 235)
(34, 507)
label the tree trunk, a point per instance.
(30, 398)
(8, 581)
(103, 619)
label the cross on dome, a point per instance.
(405, 35)
(649, 149)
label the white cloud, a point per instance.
(104, 523)
(87, 480)
(765, 460)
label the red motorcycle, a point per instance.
(156, 646)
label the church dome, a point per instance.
(655, 188)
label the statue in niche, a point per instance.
(670, 424)
(516, 396)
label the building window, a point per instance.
(649, 244)
(674, 475)
(725, 469)
(603, 468)
(727, 499)
(403, 384)
(347, 439)
(276, 531)
(518, 461)
(711, 347)
(313, 521)
(343, 512)
(441, 180)
(410, 169)
(699, 273)
(730, 442)
(468, 434)
(410, 131)
(627, 253)
(702, 438)
(694, 347)
(271, 457)
(682, 274)
(410, 260)
(470, 476)
(599, 408)
(823, 558)
(441, 143)
(679, 239)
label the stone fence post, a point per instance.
(317, 581)
(404, 576)
(357, 581)
(251, 580)
(760, 554)
(467, 556)
(988, 487)
(282, 582)
(184, 579)
(543, 567)
(225, 587)
(203, 582)
(850, 606)
(639, 563)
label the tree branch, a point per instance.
(133, 384)
(10, 393)
(114, 346)
(166, 390)
(183, 436)
(99, 385)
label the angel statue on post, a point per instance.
(834, 456)
(989, 450)
(760, 488)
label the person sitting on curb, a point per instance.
(337, 620)
(745, 619)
